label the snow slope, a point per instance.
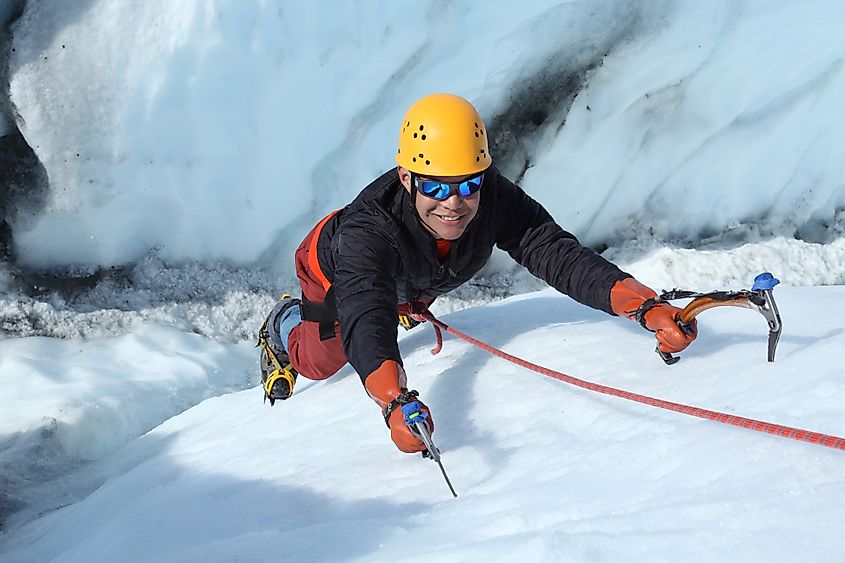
(544, 471)
(702, 141)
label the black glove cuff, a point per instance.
(402, 399)
(647, 306)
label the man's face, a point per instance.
(447, 219)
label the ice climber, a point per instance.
(419, 231)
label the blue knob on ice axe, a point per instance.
(764, 281)
(414, 413)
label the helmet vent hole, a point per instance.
(476, 134)
(415, 135)
(415, 159)
(427, 162)
(422, 155)
(422, 137)
(422, 127)
(477, 158)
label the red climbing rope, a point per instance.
(758, 425)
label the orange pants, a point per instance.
(310, 356)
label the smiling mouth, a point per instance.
(449, 219)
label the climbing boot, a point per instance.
(277, 375)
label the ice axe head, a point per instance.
(763, 286)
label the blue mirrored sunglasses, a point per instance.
(441, 191)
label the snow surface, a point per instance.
(193, 144)
(544, 471)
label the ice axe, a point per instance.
(415, 419)
(759, 298)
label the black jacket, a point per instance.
(377, 255)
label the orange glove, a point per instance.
(401, 433)
(628, 299)
(387, 387)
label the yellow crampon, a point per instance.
(284, 374)
(283, 370)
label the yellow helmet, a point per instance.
(443, 135)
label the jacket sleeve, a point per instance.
(366, 261)
(526, 231)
